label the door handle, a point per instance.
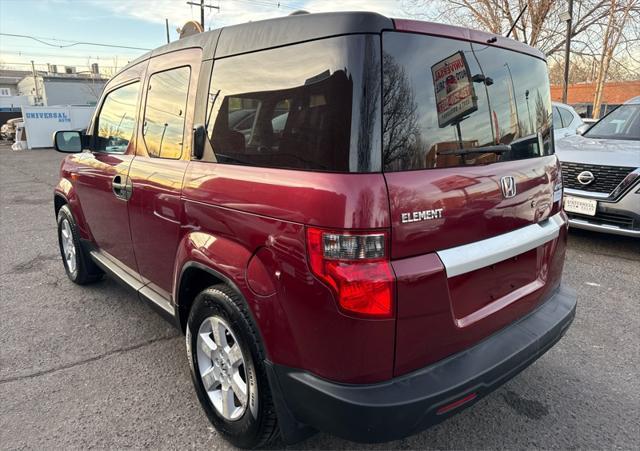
(122, 190)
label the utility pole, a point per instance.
(568, 16)
(202, 7)
(35, 81)
(166, 25)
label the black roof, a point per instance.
(253, 36)
(264, 34)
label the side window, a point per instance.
(164, 113)
(306, 126)
(566, 116)
(311, 106)
(116, 120)
(557, 121)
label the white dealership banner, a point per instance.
(455, 95)
(41, 122)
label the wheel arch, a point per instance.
(195, 277)
(64, 194)
(58, 201)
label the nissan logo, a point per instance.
(586, 178)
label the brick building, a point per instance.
(580, 95)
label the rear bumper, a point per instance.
(408, 404)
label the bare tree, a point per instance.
(612, 33)
(540, 26)
(605, 33)
(400, 132)
(584, 69)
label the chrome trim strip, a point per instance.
(605, 228)
(469, 257)
(153, 296)
(109, 265)
(587, 194)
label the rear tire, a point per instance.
(77, 263)
(226, 360)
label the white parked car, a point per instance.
(601, 172)
(565, 120)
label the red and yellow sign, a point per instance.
(455, 95)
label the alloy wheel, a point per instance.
(68, 245)
(222, 368)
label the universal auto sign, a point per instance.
(59, 116)
(41, 122)
(455, 95)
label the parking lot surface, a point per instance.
(94, 367)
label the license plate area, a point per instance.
(581, 206)
(472, 292)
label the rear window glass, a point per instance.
(455, 103)
(312, 106)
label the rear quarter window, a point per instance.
(567, 117)
(312, 106)
(443, 98)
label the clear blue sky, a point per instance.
(137, 23)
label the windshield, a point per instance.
(621, 123)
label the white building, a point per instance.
(63, 89)
(10, 98)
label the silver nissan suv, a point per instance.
(601, 172)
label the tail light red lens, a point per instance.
(356, 267)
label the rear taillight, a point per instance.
(356, 267)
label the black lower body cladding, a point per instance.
(411, 403)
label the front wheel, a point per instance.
(77, 264)
(226, 362)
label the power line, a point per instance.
(40, 40)
(26, 48)
(84, 57)
(202, 7)
(274, 4)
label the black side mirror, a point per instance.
(68, 141)
(199, 138)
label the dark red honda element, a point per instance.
(356, 221)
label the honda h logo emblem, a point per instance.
(508, 185)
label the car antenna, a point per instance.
(516, 21)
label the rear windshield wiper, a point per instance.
(500, 148)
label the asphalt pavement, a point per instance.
(94, 367)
